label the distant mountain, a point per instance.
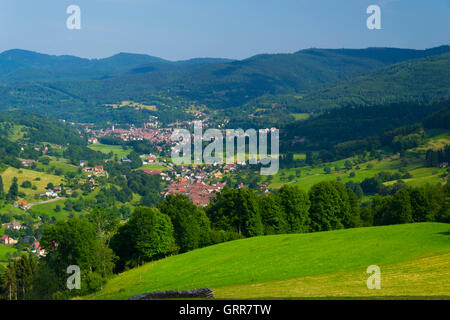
(421, 80)
(22, 66)
(311, 79)
(230, 84)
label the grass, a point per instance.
(238, 265)
(300, 116)
(3, 250)
(136, 105)
(60, 163)
(310, 176)
(49, 209)
(17, 133)
(116, 150)
(11, 210)
(425, 277)
(30, 175)
(154, 166)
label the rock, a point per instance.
(191, 294)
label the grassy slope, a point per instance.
(49, 209)
(3, 250)
(116, 150)
(282, 257)
(60, 163)
(154, 166)
(425, 277)
(24, 174)
(310, 176)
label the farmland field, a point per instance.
(55, 163)
(154, 166)
(29, 175)
(49, 209)
(310, 176)
(116, 150)
(250, 268)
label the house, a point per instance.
(21, 204)
(82, 163)
(51, 194)
(28, 162)
(99, 169)
(7, 240)
(93, 140)
(152, 172)
(37, 249)
(125, 160)
(13, 225)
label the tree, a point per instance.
(147, 236)
(272, 215)
(25, 268)
(348, 165)
(106, 223)
(400, 209)
(309, 160)
(13, 190)
(191, 225)
(330, 206)
(8, 282)
(295, 204)
(420, 206)
(236, 210)
(151, 198)
(26, 184)
(2, 189)
(75, 242)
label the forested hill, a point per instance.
(422, 80)
(311, 79)
(23, 66)
(222, 85)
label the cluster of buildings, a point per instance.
(6, 239)
(164, 176)
(50, 193)
(154, 135)
(198, 192)
(97, 171)
(9, 241)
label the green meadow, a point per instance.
(116, 150)
(50, 210)
(38, 179)
(312, 175)
(57, 163)
(251, 268)
(3, 250)
(154, 166)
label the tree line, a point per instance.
(102, 246)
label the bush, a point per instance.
(26, 184)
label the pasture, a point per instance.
(252, 267)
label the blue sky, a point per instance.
(182, 29)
